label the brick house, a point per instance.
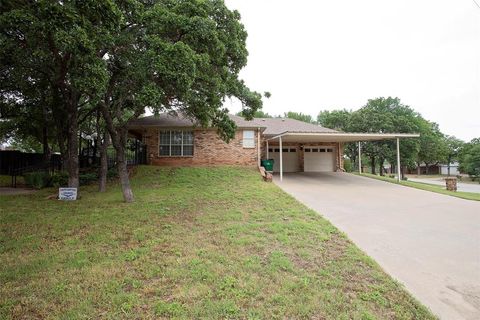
(295, 146)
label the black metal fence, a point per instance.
(135, 154)
(17, 163)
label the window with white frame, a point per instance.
(175, 143)
(248, 139)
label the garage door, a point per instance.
(290, 159)
(319, 159)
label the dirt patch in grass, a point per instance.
(197, 243)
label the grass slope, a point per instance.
(426, 186)
(197, 243)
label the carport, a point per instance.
(331, 140)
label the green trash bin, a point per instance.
(267, 164)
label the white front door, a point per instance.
(290, 158)
(319, 159)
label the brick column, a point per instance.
(451, 183)
(301, 158)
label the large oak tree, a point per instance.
(122, 58)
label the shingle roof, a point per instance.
(171, 120)
(163, 120)
(273, 126)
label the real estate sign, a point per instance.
(67, 194)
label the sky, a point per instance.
(325, 55)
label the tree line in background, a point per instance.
(389, 115)
(70, 69)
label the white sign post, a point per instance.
(67, 194)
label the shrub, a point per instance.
(87, 178)
(347, 165)
(112, 173)
(37, 179)
(41, 179)
(60, 179)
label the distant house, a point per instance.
(453, 169)
(436, 169)
(423, 169)
(296, 146)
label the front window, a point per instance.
(248, 139)
(176, 143)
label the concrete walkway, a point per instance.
(461, 186)
(427, 241)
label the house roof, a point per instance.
(276, 126)
(339, 136)
(171, 121)
(272, 126)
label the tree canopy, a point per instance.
(299, 116)
(122, 57)
(389, 115)
(335, 119)
(469, 158)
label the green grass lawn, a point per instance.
(425, 186)
(210, 243)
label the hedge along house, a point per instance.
(295, 146)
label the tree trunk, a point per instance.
(418, 169)
(122, 167)
(47, 152)
(372, 159)
(382, 171)
(119, 140)
(448, 166)
(426, 168)
(72, 148)
(101, 143)
(63, 152)
(103, 169)
(46, 148)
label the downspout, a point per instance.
(399, 173)
(258, 146)
(360, 157)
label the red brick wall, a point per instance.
(208, 149)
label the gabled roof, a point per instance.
(162, 120)
(181, 121)
(276, 126)
(272, 126)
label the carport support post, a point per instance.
(359, 157)
(281, 158)
(398, 160)
(258, 147)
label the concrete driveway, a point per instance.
(427, 241)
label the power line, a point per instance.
(476, 3)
